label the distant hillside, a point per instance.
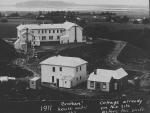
(40, 3)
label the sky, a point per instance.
(114, 2)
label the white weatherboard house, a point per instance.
(64, 71)
(107, 80)
(37, 33)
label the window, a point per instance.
(38, 31)
(50, 37)
(49, 31)
(42, 31)
(77, 69)
(45, 31)
(104, 85)
(53, 31)
(77, 79)
(60, 68)
(43, 37)
(91, 83)
(65, 82)
(80, 68)
(53, 69)
(57, 31)
(80, 77)
(61, 31)
(58, 37)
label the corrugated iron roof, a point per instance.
(66, 25)
(99, 78)
(64, 61)
(106, 75)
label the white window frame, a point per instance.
(91, 83)
(104, 85)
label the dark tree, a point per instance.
(125, 19)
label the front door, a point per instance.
(57, 82)
(98, 86)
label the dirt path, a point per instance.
(112, 58)
(113, 62)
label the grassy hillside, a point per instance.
(95, 54)
(6, 51)
(130, 53)
(20, 91)
(7, 54)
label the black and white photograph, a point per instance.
(74, 56)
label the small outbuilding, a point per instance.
(107, 80)
(3, 78)
(35, 82)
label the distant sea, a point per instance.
(79, 8)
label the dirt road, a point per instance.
(113, 62)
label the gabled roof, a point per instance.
(104, 75)
(66, 25)
(98, 78)
(35, 78)
(64, 61)
(33, 34)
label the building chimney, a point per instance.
(95, 72)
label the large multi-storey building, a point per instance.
(64, 71)
(34, 34)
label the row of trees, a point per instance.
(143, 21)
(117, 19)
